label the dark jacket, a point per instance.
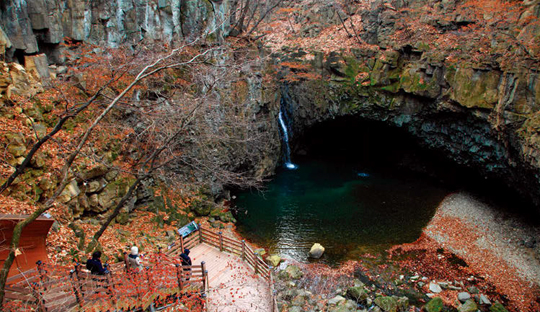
(186, 260)
(95, 266)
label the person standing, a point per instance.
(135, 262)
(186, 261)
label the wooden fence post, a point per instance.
(41, 272)
(220, 241)
(200, 234)
(110, 284)
(204, 274)
(39, 296)
(181, 243)
(126, 262)
(77, 288)
(179, 277)
(243, 250)
(206, 280)
(256, 263)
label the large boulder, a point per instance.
(434, 287)
(4, 42)
(95, 172)
(93, 200)
(17, 150)
(497, 307)
(336, 300)
(463, 296)
(95, 186)
(434, 305)
(344, 306)
(316, 251)
(468, 306)
(387, 304)
(274, 260)
(70, 191)
(357, 293)
(37, 66)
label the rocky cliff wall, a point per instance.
(40, 26)
(464, 84)
(480, 113)
(483, 118)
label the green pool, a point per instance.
(349, 208)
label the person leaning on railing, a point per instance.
(186, 261)
(134, 260)
(95, 266)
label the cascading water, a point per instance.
(283, 125)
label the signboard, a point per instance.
(188, 229)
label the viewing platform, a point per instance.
(226, 275)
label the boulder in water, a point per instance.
(316, 251)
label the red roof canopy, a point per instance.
(32, 243)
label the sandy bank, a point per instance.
(498, 246)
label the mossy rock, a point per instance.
(34, 112)
(357, 293)
(294, 272)
(497, 307)
(95, 172)
(274, 260)
(17, 150)
(421, 46)
(473, 88)
(122, 218)
(40, 129)
(403, 304)
(434, 305)
(201, 207)
(15, 138)
(158, 204)
(391, 58)
(387, 304)
(38, 161)
(223, 216)
(414, 80)
(468, 306)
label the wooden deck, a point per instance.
(233, 286)
(231, 275)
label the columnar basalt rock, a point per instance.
(34, 26)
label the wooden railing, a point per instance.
(54, 288)
(233, 246)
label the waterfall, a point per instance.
(283, 125)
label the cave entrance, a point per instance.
(361, 186)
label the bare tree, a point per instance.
(251, 13)
(159, 63)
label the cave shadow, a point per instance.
(394, 151)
